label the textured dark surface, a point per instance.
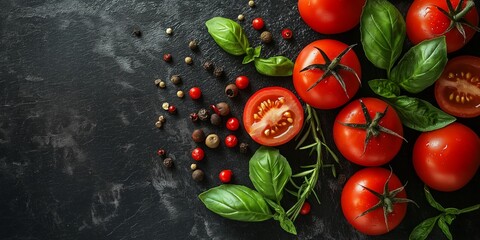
(77, 113)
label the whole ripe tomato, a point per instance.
(273, 116)
(447, 159)
(328, 93)
(425, 21)
(357, 199)
(330, 17)
(368, 140)
(457, 91)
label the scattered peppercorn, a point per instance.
(208, 65)
(243, 147)
(180, 94)
(137, 33)
(161, 152)
(251, 3)
(176, 79)
(198, 175)
(287, 34)
(266, 37)
(172, 109)
(223, 108)
(158, 124)
(193, 45)
(162, 84)
(157, 81)
(215, 119)
(168, 162)
(241, 17)
(165, 106)
(194, 117)
(162, 118)
(167, 57)
(203, 114)
(198, 135)
(193, 166)
(188, 60)
(212, 141)
(218, 72)
(169, 31)
(231, 90)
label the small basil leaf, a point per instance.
(420, 115)
(277, 207)
(274, 66)
(431, 200)
(382, 30)
(288, 225)
(421, 66)
(423, 229)
(449, 218)
(444, 227)
(269, 172)
(228, 34)
(236, 202)
(252, 53)
(470, 209)
(384, 88)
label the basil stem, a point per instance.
(274, 66)
(229, 35)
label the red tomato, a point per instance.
(447, 159)
(330, 17)
(351, 141)
(225, 176)
(273, 116)
(457, 91)
(328, 93)
(425, 21)
(356, 199)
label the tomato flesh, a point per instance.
(273, 116)
(457, 91)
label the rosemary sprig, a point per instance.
(311, 128)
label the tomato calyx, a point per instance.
(456, 16)
(386, 200)
(332, 67)
(372, 126)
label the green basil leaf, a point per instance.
(277, 207)
(421, 66)
(420, 115)
(432, 201)
(252, 53)
(470, 209)
(444, 227)
(452, 211)
(269, 172)
(382, 30)
(274, 66)
(384, 88)
(449, 218)
(288, 225)
(236, 202)
(423, 229)
(228, 34)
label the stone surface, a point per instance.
(77, 124)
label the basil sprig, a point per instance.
(229, 35)
(383, 32)
(443, 220)
(269, 172)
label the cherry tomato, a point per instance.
(242, 82)
(384, 127)
(195, 93)
(447, 159)
(198, 154)
(425, 21)
(305, 208)
(328, 93)
(225, 176)
(273, 116)
(331, 17)
(457, 91)
(287, 34)
(258, 23)
(356, 200)
(231, 141)
(232, 124)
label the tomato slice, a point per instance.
(273, 116)
(457, 91)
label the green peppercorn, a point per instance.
(266, 37)
(193, 45)
(215, 119)
(212, 141)
(198, 135)
(176, 79)
(231, 90)
(198, 175)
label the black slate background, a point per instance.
(77, 114)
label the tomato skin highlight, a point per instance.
(447, 159)
(355, 200)
(424, 21)
(328, 94)
(331, 17)
(351, 141)
(256, 128)
(457, 91)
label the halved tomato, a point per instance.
(457, 91)
(273, 116)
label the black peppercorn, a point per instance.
(198, 175)
(243, 147)
(168, 162)
(218, 72)
(203, 114)
(215, 119)
(193, 45)
(198, 135)
(176, 79)
(208, 65)
(194, 117)
(266, 37)
(231, 90)
(136, 32)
